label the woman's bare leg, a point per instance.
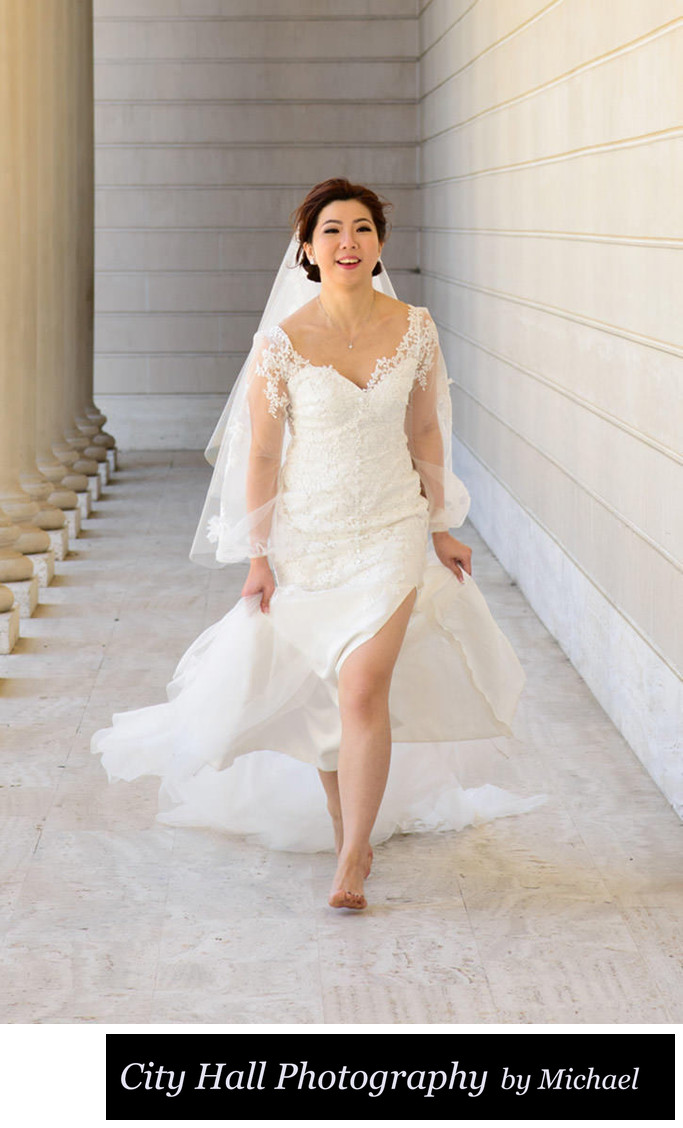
(330, 782)
(365, 750)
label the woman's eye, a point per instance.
(335, 230)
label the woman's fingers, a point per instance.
(260, 585)
(267, 590)
(456, 569)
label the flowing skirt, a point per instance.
(253, 711)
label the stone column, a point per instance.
(16, 507)
(55, 457)
(76, 182)
(88, 418)
(15, 568)
(76, 217)
(46, 517)
(16, 576)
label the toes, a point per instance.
(345, 899)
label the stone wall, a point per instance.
(551, 164)
(213, 119)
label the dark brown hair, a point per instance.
(337, 188)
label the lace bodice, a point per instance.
(331, 461)
(280, 361)
(350, 499)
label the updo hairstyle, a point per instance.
(306, 215)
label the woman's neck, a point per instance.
(347, 308)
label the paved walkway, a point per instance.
(572, 914)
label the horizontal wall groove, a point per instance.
(562, 236)
(598, 61)
(289, 19)
(655, 137)
(510, 35)
(446, 30)
(255, 146)
(570, 556)
(173, 272)
(243, 187)
(271, 186)
(557, 311)
(260, 60)
(155, 354)
(193, 103)
(227, 227)
(574, 397)
(601, 501)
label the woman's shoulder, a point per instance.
(392, 308)
(301, 319)
(400, 312)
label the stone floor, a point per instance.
(571, 914)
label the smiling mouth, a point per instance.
(348, 262)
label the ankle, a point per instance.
(354, 854)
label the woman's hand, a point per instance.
(453, 553)
(260, 581)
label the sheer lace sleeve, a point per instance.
(428, 427)
(268, 400)
(238, 513)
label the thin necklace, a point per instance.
(362, 324)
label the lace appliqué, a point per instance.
(408, 344)
(428, 344)
(273, 368)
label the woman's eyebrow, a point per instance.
(363, 219)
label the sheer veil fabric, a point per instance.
(252, 708)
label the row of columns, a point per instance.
(54, 455)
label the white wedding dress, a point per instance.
(253, 705)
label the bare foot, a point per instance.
(369, 861)
(344, 899)
(347, 886)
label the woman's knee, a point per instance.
(365, 676)
(364, 694)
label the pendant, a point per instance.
(350, 346)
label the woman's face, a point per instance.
(345, 244)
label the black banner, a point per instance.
(382, 1076)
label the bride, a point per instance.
(332, 476)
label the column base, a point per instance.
(103, 471)
(84, 505)
(111, 458)
(9, 629)
(26, 595)
(73, 522)
(95, 486)
(43, 566)
(59, 542)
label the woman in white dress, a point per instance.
(351, 629)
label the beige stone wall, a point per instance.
(213, 119)
(551, 166)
